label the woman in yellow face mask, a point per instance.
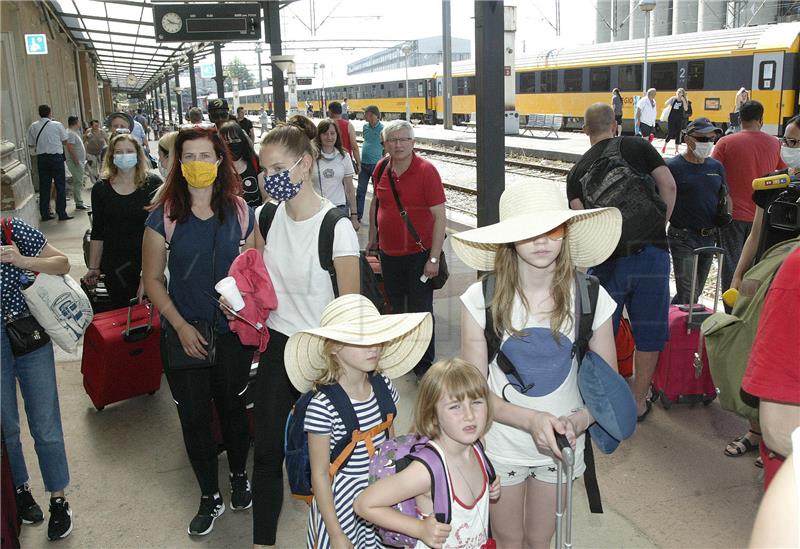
(202, 218)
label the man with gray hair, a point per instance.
(408, 262)
(645, 117)
(637, 273)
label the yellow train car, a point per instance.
(711, 66)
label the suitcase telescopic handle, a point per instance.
(696, 253)
(131, 305)
(564, 504)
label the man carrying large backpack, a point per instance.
(629, 174)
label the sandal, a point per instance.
(648, 407)
(759, 462)
(742, 445)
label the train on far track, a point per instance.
(712, 66)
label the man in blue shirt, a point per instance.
(700, 182)
(371, 153)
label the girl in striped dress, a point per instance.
(360, 351)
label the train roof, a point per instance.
(693, 45)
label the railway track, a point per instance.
(471, 158)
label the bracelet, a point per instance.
(351, 215)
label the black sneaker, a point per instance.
(29, 511)
(211, 508)
(241, 496)
(60, 524)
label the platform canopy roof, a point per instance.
(120, 36)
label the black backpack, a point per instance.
(368, 282)
(612, 182)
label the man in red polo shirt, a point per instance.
(407, 265)
(745, 155)
(773, 373)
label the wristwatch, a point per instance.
(433, 260)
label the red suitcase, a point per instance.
(122, 354)
(682, 373)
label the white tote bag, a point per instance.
(665, 113)
(61, 307)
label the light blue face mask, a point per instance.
(126, 161)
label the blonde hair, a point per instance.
(507, 287)
(454, 378)
(142, 165)
(333, 371)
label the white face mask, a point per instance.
(163, 169)
(702, 150)
(790, 156)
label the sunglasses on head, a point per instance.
(200, 126)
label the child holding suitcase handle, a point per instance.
(531, 255)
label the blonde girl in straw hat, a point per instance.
(353, 345)
(531, 255)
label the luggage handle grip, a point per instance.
(567, 455)
(708, 250)
(127, 333)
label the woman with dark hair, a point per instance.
(616, 102)
(246, 163)
(119, 202)
(201, 216)
(303, 289)
(335, 170)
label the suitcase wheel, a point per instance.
(707, 401)
(151, 393)
(100, 408)
(665, 402)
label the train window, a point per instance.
(420, 89)
(527, 82)
(463, 86)
(695, 79)
(600, 79)
(664, 76)
(548, 82)
(573, 80)
(400, 85)
(630, 78)
(766, 75)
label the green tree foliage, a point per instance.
(237, 69)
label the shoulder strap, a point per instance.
(440, 487)
(39, 134)
(382, 163)
(487, 464)
(383, 395)
(325, 244)
(265, 217)
(169, 225)
(343, 406)
(243, 214)
(614, 148)
(404, 214)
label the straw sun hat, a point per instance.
(530, 209)
(353, 319)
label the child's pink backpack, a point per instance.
(396, 454)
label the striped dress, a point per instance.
(352, 479)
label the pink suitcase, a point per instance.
(682, 373)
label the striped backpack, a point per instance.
(396, 454)
(298, 464)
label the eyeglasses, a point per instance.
(121, 131)
(555, 234)
(789, 142)
(396, 140)
(200, 126)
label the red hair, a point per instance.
(226, 188)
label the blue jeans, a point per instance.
(361, 190)
(408, 295)
(51, 170)
(36, 374)
(681, 246)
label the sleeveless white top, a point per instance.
(469, 523)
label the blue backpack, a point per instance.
(298, 465)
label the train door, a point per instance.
(767, 88)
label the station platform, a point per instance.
(132, 485)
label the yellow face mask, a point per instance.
(199, 174)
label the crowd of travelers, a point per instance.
(560, 274)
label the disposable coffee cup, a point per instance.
(227, 289)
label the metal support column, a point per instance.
(169, 99)
(447, 62)
(272, 27)
(178, 96)
(219, 78)
(161, 104)
(490, 138)
(192, 83)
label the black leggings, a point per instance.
(225, 384)
(273, 399)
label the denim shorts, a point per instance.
(640, 283)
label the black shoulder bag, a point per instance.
(439, 280)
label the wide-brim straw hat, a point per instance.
(531, 209)
(353, 320)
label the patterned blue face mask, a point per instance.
(280, 187)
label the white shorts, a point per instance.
(511, 475)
